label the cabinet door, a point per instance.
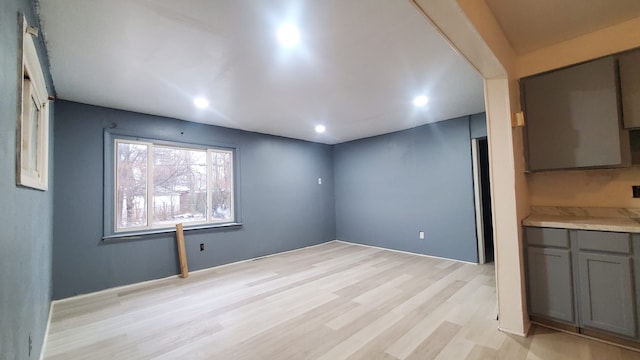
(630, 88)
(550, 283)
(572, 118)
(606, 293)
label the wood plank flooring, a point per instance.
(332, 301)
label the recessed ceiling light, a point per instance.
(320, 129)
(201, 102)
(288, 35)
(420, 101)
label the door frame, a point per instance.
(477, 199)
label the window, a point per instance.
(158, 186)
(33, 131)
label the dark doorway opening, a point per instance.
(485, 191)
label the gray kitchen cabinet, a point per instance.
(606, 293)
(629, 64)
(572, 118)
(584, 278)
(549, 274)
(605, 273)
(550, 283)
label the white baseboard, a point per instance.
(407, 252)
(517, 333)
(149, 282)
(46, 332)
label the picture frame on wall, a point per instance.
(32, 135)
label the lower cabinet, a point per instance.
(583, 278)
(550, 283)
(606, 282)
(606, 293)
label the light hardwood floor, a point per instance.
(332, 301)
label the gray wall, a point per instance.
(25, 239)
(390, 187)
(478, 125)
(282, 205)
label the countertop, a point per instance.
(584, 223)
(603, 219)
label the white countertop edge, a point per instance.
(584, 223)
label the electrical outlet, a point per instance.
(201, 247)
(636, 191)
(30, 344)
(421, 235)
(319, 181)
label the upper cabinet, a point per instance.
(630, 88)
(573, 118)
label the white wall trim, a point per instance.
(46, 332)
(149, 282)
(405, 252)
(522, 334)
(477, 199)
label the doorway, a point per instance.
(482, 189)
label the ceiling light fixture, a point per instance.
(201, 102)
(420, 101)
(288, 35)
(320, 129)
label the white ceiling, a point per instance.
(356, 70)
(533, 24)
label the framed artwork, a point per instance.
(32, 135)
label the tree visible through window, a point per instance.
(158, 186)
(131, 185)
(221, 181)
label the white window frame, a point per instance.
(209, 220)
(233, 185)
(115, 186)
(34, 97)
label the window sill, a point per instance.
(146, 233)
